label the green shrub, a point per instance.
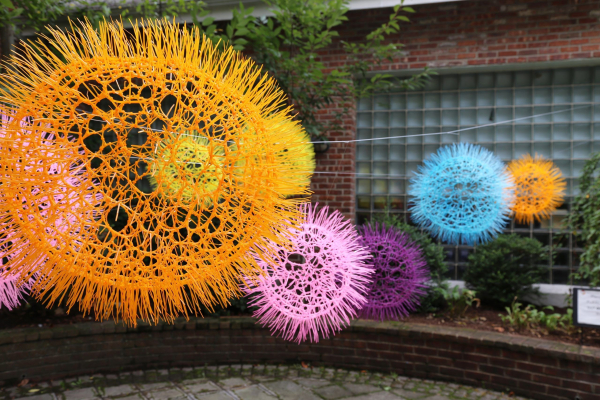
(584, 221)
(434, 299)
(532, 318)
(434, 257)
(506, 268)
(459, 301)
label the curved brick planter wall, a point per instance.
(535, 368)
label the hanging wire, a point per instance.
(455, 132)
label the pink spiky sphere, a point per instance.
(21, 255)
(12, 284)
(313, 288)
(400, 273)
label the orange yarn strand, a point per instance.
(185, 160)
(539, 188)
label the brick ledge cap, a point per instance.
(393, 328)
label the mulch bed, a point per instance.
(482, 318)
(487, 319)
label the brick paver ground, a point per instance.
(248, 382)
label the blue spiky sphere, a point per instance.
(462, 194)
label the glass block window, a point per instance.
(453, 102)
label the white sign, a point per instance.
(587, 307)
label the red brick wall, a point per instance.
(467, 33)
(333, 183)
(535, 368)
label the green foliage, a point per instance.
(236, 32)
(566, 321)
(459, 301)
(434, 299)
(94, 11)
(8, 12)
(288, 46)
(161, 9)
(553, 322)
(434, 257)
(33, 14)
(516, 317)
(37, 14)
(584, 221)
(506, 267)
(532, 318)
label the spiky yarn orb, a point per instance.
(462, 194)
(303, 152)
(539, 188)
(312, 288)
(59, 209)
(298, 155)
(12, 289)
(400, 273)
(187, 167)
(12, 284)
(166, 236)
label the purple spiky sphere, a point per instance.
(400, 273)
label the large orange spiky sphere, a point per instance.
(539, 188)
(187, 147)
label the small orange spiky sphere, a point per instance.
(176, 138)
(539, 188)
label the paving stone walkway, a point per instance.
(248, 382)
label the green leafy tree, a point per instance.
(506, 268)
(584, 221)
(8, 12)
(459, 301)
(163, 8)
(37, 14)
(288, 46)
(18, 15)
